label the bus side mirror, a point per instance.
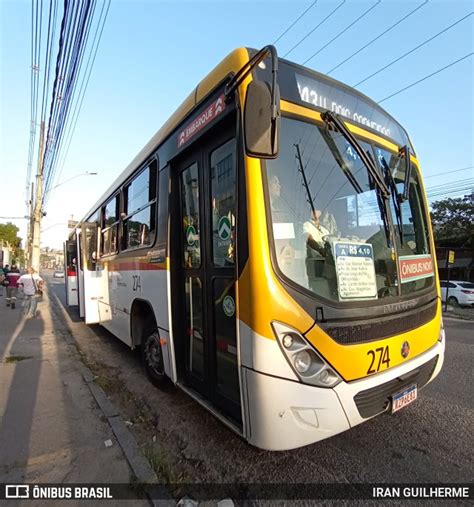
(261, 120)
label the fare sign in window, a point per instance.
(355, 270)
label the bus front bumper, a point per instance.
(283, 414)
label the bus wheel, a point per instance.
(153, 357)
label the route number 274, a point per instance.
(379, 357)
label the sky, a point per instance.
(153, 53)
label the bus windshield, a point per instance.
(334, 233)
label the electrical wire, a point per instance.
(412, 50)
(378, 37)
(66, 103)
(426, 77)
(449, 172)
(296, 21)
(341, 32)
(84, 84)
(315, 28)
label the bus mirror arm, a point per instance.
(262, 107)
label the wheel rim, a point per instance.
(153, 355)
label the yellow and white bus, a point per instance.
(270, 251)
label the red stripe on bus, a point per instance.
(135, 266)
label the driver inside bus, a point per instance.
(319, 260)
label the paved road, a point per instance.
(429, 441)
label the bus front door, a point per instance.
(205, 273)
(80, 274)
(91, 274)
(70, 272)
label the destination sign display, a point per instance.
(303, 86)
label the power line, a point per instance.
(315, 28)
(378, 37)
(342, 31)
(84, 84)
(296, 21)
(448, 186)
(412, 50)
(426, 77)
(449, 172)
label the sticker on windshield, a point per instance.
(224, 228)
(415, 267)
(228, 305)
(191, 235)
(355, 270)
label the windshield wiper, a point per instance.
(341, 162)
(376, 181)
(405, 152)
(333, 120)
(396, 197)
(305, 181)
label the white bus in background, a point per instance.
(70, 272)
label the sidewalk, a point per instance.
(51, 429)
(459, 312)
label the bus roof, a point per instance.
(297, 84)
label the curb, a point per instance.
(139, 465)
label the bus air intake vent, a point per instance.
(370, 331)
(377, 399)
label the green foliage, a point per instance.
(9, 233)
(19, 257)
(453, 221)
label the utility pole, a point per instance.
(29, 235)
(38, 207)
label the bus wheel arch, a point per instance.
(145, 333)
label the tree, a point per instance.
(453, 221)
(9, 234)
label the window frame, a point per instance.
(152, 165)
(116, 224)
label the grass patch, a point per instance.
(160, 462)
(15, 359)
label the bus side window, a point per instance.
(139, 224)
(110, 223)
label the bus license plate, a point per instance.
(404, 398)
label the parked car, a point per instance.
(459, 293)
(58, 273)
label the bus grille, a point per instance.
(377, 399)
(362, 333)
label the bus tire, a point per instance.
(152, 356)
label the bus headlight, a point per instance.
(442, 334)
(302, 361)
(309, 366)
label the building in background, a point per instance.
(463, 267)
(51, 258)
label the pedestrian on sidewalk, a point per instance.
(32, 285)
(2, 278)
(12, 288)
